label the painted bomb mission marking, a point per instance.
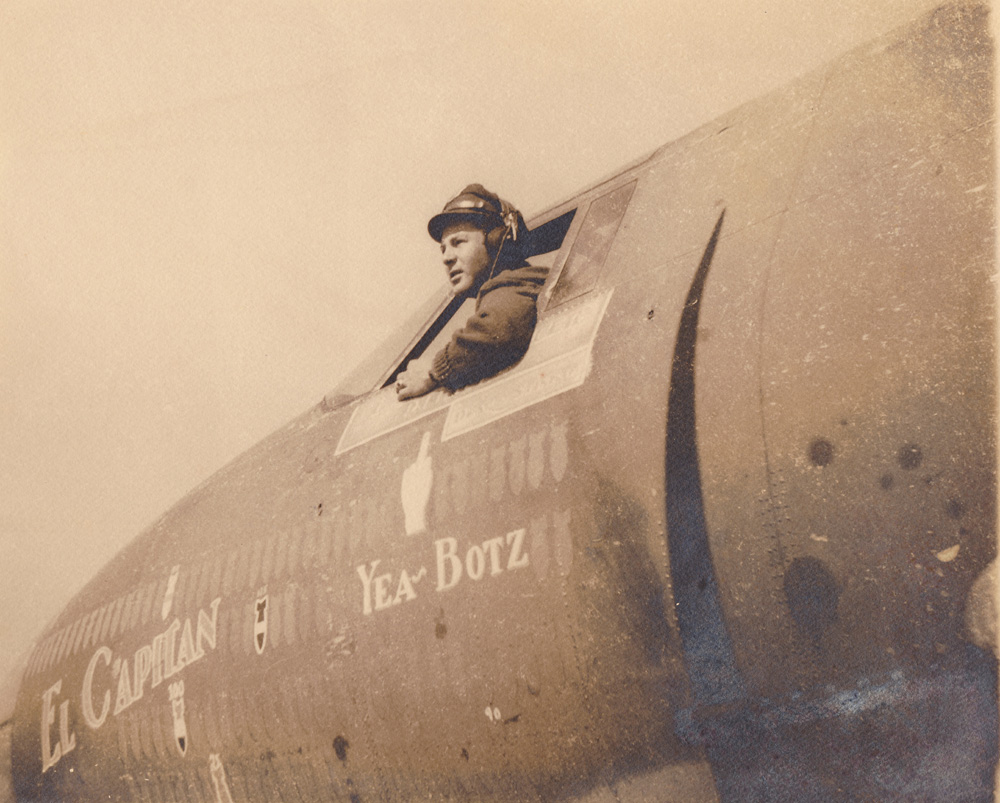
(169, 652)
(497, 555)
(260, 624)
(113, 683)
(527, 463)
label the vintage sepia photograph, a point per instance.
(579, 402)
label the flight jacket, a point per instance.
(497, 335)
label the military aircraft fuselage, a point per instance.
(717, 535)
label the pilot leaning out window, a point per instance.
(480, 247)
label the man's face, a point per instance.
(463, 251)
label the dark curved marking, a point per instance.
(708, 651)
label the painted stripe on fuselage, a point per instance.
(708, 649)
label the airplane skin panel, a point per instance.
(6, 784)
(886, 105)
(748, 162)
(915, 349)
(714, 538)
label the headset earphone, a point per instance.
(497, 237)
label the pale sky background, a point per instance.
(210, 211)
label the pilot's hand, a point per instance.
(415, 380)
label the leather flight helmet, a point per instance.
(477, 205)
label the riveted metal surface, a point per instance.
(711, 538)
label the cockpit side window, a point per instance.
(371, 371)
(583, 266)
(542, 240)
(443, 313)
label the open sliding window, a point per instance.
(432, 325)
(541, 241)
